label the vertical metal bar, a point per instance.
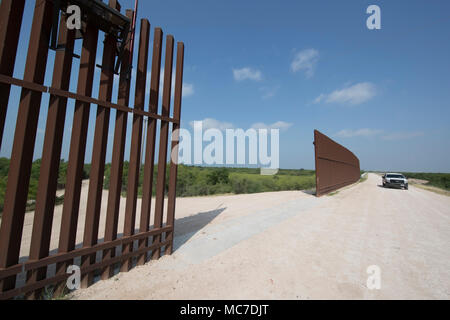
(120, 131)
(69, 220)
(54, 36)
(136, 140)
(11, 13)
(97, 172)
(164, 137)
(147, 188)
(316, 161)
(51, 155)
(24, 141)
(174, 150)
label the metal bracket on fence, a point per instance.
(107, 19)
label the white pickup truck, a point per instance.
(396, 180)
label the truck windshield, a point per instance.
(395, 176)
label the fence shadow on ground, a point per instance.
(311, 192)
(187, 227)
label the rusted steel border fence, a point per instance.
(33, 88)
(336, 166)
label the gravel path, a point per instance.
(291, 245)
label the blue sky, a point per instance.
(305, 65)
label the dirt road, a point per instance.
(291, 245)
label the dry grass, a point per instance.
(432, 189)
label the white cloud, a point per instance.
(403, 135)
(210, 123)
(281, 125)
(269, 92)
(365, 132)
(353, 95)
(305, 60)
(188, 89)
(247, 74)
(319, 98)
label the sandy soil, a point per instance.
(290, 245)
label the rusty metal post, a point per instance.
(24, 141)
(163, 144)
(69, 220)
(51, 154)
(147, 188)
(174, 150)
(136, 140)
(97, 171)
(11, 13)
(120, 131)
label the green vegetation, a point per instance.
(192, 181)
(439, 180)
(35, 171)
(364, 177)
(201, 181)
